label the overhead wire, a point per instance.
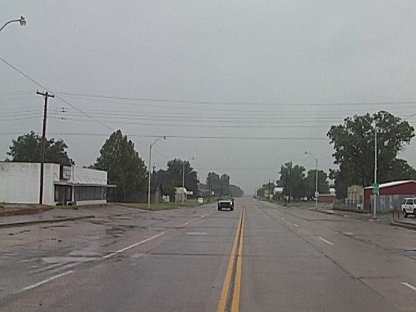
(47, 89)
(187, 136)
(180, 101)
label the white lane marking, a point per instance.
(46, 281)
(408, 285)
(133, 245)
(196, 233)
(193, 220)
(186, 223)
(326, 241)
(295, 225)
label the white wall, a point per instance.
(19, 182)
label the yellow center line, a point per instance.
(222, 305)
(235, 307)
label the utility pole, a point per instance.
(150, 168)
(268, 191)
(45, 95)
(375, 191)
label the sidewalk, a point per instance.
(51, 215)
(346, 214)
(388, 219)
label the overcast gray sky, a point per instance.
(283, 70)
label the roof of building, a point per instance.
(393, 183)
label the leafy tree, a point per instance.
(172, 176)
(292, 179)
(310, 181)
(236, 191)
(28, 148)
(225, 184)
(354, 149)
(220, 185)
(124, 166)
(214, 183)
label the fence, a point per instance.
(349, 205)
(388, 203)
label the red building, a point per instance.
(391, 195)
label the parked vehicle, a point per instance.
(409, 207)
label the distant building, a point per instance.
(327, 198)
(180, 194)
(391, 196)
(20, 183)
(355, 197)
(278, 190)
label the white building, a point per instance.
(20, 183)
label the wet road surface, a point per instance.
(270, 258)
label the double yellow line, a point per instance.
(230, 294)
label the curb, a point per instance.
(405, 225)
(340, 213)
(23, 223)
(326, 212)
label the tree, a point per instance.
(172, 176)
(220, 185)
(214, 183)
(354, 149)
(28, 148)
(310, 182)
(236, 191)
(124, 166)
(225, 184)
(292, 179)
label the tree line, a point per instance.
(353, 143)
(125, 168)
(295, 184)
(217, 185)
(354, 156)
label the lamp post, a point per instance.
(21, 20)
(375, 168)
(150, 168)
(183, 177)
(316, 177)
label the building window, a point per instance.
(90, 193)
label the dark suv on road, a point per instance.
(226, 202)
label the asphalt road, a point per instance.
(269, 258)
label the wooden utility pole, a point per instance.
(45, 95)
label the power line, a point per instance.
(150, 99)
(279, 109)
(199, 125)
(188, 136)
(47, 89)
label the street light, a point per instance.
(375, 167)
(150, 166)
(183, 177)
(316, 177)
(21, 20)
